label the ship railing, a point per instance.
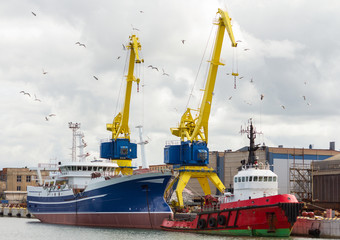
(260, 165)
(213, 207)
(172, 142)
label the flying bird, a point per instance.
(81, 44)
(230, 97)
(164, 73)
(52, 115)
(36, 99)
(183, 41)
(309, 104)
(118, 57)
(283, 107)
(141, 11)
(46, 118)
(246, 49)
(124, 48)
(238, 41)
(25, 93)
(95, 77)
(150, 66)
(304, 98)
(44, 72)
(240, 77)
(134, 28)
(251, 80)
(262, 96)
(34, 14)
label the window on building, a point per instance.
(28, 178)
(19, 178)
(18, 188)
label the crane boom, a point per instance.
(119, 148)
(192, 155)
(197, 129)
(120, 125)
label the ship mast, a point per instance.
(251, 134)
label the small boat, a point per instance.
(254, 208)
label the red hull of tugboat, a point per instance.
(266, 216)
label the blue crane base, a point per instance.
(187, 153)
(118, 149)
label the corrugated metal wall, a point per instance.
(326, 188)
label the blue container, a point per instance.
(118, 149)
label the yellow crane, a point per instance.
(120, 149)
(193, 154)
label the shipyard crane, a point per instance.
(119, 148)
(192, 155)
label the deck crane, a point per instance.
(192, 155)
(119, 148)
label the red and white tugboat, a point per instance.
(254, 209)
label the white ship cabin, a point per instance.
(77, 175)
(253, 182)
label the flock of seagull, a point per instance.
(153, 68)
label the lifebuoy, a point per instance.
(212, 222)
(201, 223)
(221, 220)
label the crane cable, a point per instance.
(199, 67)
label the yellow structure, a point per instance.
(196, 129)
(120, 126)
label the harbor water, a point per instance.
(12, 228)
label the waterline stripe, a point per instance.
(67, 202)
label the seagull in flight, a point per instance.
(124, 48)
(164, 73)
(246, 49)
(52, 115)
(134, 28)
(150, 66)
(34, 14)
(141, 11)
(95, 78)
(230, 97)
(262, 96)
(36, 99)
(183, 41)
(283, 107)
(44, 72)
(81, 44)
(25, 93)
(304, 98)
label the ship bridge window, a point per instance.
(100, 169)
(104, 169)
(255, 178)
(270, 179)
(79, 168)
(236, 179)
(265, 179)
(243, 178)
(73, 168)
(274, 179)
(250, 178)
(247, 179)
(90, 168)
(260, 178)
(239, 179)
(94, 168)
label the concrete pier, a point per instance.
(317, 226)
(14, 212)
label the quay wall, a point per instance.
(323, 227)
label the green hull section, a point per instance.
(284, 232)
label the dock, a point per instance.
(8, 211)
(317, 227)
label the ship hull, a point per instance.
(272, 216)
(134, 201)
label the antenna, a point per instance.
(142, 143)
(74, 127)
(251, 134)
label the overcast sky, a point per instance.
(293, 60)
